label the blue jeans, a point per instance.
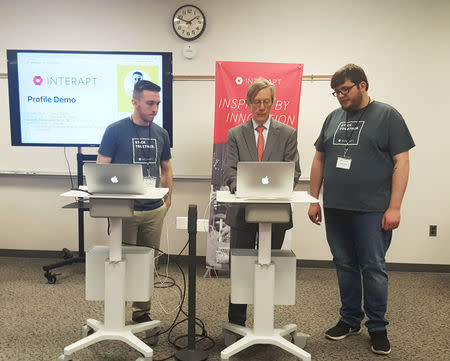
(359, 245)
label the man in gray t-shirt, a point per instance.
(136, 139)
(363, 162)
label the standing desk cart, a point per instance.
(263, 272)
(116, 291)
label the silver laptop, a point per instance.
(114, 178)
(265, 180)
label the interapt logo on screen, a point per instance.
(65, 81)
(37, 80)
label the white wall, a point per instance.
(402, 45)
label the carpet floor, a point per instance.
(38, 319)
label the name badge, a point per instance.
(343, 163)
(150, 182)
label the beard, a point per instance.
(145, 117)
(354, 104)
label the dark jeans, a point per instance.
(359, 245)
(237, 313)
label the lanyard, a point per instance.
(347, 137)
(143, 150)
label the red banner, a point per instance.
(232, 81)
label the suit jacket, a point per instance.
(281, 146)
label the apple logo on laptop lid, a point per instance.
(114, 179)
(265, 180)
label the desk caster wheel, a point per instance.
(51, 278)
(230, 337)
(65, 357)
(86, 331)
(299, 339)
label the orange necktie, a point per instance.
(260, 143)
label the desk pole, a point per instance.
(115, 250)
(191, 354)
(264, 243)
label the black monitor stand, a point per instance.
(81, 206)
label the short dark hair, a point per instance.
(351, 72)
(142, 85)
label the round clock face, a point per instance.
(189, 22)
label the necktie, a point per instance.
(260, 144)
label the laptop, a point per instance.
(114, 178)
(265, 180)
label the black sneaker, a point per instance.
(342, 330)
(145, 317)
(380, 343)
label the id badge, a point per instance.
(150, 182)
(343, 163)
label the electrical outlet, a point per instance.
(181, 222)
(202, 224)
(433, 230)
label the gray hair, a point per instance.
(258, 85)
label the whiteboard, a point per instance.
(193, 129)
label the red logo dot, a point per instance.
(37, 80)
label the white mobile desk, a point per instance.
(262, 211)
(115, 207)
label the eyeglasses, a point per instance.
(344, 90)
(265, 102)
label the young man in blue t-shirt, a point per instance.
(362, 158)
(136, 139)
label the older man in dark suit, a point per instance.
(263, 139)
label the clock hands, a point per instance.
(189, 22)
(180, 18)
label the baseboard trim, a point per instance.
(311, 263)
(418, 267)
(32, 253)
(201, 260)
(397, 267)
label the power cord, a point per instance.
(68, 167)
(159, 284)
(199, 337)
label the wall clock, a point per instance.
(189, 22)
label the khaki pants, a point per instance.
(144, 229)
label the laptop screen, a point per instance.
(262, 180)
(114, 178)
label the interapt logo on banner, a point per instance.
(232, 81)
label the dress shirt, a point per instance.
(265, 131)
